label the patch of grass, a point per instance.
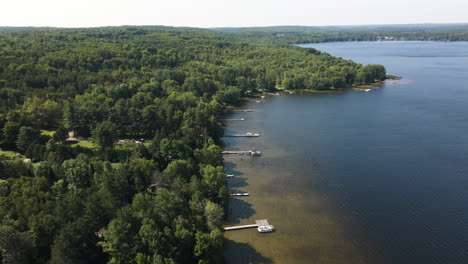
(47, 133)
(87, 144)
(11, 154)
(83, 143)
(116, 165)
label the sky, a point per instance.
(234, 13)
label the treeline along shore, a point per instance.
(110, 137)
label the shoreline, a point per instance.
(261, 179)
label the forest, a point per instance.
(110, 138)
(305, 34)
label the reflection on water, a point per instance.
(376, 177)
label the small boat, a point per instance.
(258, 101)
(265, 229)
(252, 134)
(255, 153)
(367, 90)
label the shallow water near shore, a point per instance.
(358, 177)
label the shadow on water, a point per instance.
(237, 182)
(243, 253)
(230, 168)
(243, 210)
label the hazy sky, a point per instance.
(221, 13)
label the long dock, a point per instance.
(243, 135)
(233, 119)
(262, 225)
(229, 228)
(243, 110)
(243, 152)
(239, 194)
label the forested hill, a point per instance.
(109, 137)
(305, 34)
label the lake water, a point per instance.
(359, 177)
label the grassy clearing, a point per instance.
(86, 144)
(47, 133)
(82, 143)
(11, 154)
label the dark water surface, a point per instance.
(359, 177)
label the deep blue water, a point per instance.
(399, 154)
(392, 162)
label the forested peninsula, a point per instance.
(110, 137)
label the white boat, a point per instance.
(367, 90)
(255, 153)
(252, 134)
(265, 229)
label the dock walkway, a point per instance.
(242, 152)
(229, 228)
(233, 119)
(243, 135)
(239, 194)
(263, 223)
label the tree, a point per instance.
(25, 137)
(10, 133)
(4, 188)
(213, 179)
(208, 247)
(104, 135)
(209, 155)
(61, 134)
(178, 168)
(214, 215)
(78, 173)
(120, 237)
(15, 247)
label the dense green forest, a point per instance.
(110, 137)
(304, 34)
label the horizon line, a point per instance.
(217, 27)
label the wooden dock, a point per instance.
(243, 135)
(230, 228)
(263, 224)
(233, 119)
(242, 152)
(239, 194)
